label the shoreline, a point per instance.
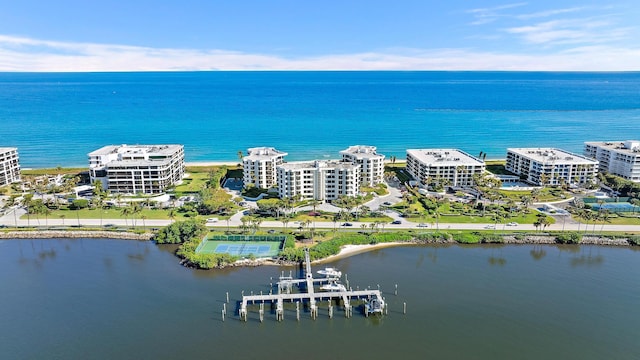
(351, 250)
(65, 234)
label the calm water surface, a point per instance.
(106, 299)
(58, 118)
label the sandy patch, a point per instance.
(211, 163)
(350, 250)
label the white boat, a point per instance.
(330, 272)
(333, 287)
(374, 306)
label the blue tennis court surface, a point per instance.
(241, 248)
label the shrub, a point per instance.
(491, 239)
(180, 232)
(79, 204)
(569, 238)
(467, 238)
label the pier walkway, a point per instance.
(374, 302)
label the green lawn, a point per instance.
(546, 194)
(150, 214)
(52, 171)
(194, 183)
(476, 219)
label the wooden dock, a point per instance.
(373, 298)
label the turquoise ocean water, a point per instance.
(55, 119)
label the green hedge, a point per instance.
(569, 238)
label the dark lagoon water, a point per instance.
(108, 299)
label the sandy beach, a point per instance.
(211, 163)
(350, 250)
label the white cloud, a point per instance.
(549, 13)
(489, 15)
(570, 31)
(26, 54)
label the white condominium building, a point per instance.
(616, 157)
(320, 180)
(454, 166)
(9, 165)
(259, 166)
(371, 163)
(551, 166)
(132, 169)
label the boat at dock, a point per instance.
(374, 306)
(334, 286)
(330, 272)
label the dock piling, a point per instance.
(404, 308)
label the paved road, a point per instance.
(393, 197)
(9, 220)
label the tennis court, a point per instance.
(242, 248)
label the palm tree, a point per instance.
(11, 202)
(336, 218)
(125, 211)
(526, 200)
(26, 202)
(46, 211)
(605, 217)
(62, 216)
(172, 214)
(144, 225)
(135, 209)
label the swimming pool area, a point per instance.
(517, 185)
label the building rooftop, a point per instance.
(552, 155)
(363, 151)
(137, 149)
(263, 153)
(296, 165)
(628, 146)
(7, 149)
(444, 157)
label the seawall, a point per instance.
(54, 234)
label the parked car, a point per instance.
(396, 222)
(386, 203)
(513, 223)
(490, 227)
(423, 225)
(347, 224)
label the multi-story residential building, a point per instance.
(9, 165)
(259, 167)
(131, 169)
(620, 158)
(549, 166)
(371, 163)
(451, 166)
(320, 180)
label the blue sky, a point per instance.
(119, 35)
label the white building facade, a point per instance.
(551, 166)
(371, 163)
(132, 169)
(9, 165)
(620, 158)
(259, 167)
(454, 167)
(320, 180)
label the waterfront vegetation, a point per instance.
(45, 200)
